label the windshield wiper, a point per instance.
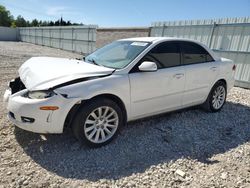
(92, 61)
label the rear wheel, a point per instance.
(216, 98)
(98, 122)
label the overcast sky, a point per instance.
(115, 13)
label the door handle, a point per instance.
(213, 68)
(179, 75)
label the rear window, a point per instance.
(194, 53)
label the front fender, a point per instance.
(117, 85)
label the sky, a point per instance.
(126, 13)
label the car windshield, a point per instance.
(117, 54)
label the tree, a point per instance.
(5, 17)
(28, 23)
(7, 20)
(68, 23)
(13, 24)
(51, 23)
(45, 23)
(57, 23)
(20, 21)
(34, 23)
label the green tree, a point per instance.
(51, 23)
(7, 20)
(68, 23)
(34, 23)
(5, 17)
(28, 23)
(45, 23)
(57, 23)
(13, 24)
(20, 21)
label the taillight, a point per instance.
(234, 68)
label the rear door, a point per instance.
(201, 71)
(155, 92)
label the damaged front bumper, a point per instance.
(27, 114)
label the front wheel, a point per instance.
(98, 122)
(216, 98)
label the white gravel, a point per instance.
(189, 148)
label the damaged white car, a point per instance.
(123, 81)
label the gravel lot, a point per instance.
(189, 148)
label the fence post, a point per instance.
(72, 48)
(88, 39)
(42, 36)
(149, 31)
(163, 28)
(50, 37)
(35, 36)
(212, 34)
(92, 39)
(29, 36)
(60, 38)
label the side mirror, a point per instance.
(148, 66)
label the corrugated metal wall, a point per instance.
(8, 34)
(78, 38)
(228, 37)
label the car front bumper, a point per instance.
(26, 114)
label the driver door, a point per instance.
(162, 90)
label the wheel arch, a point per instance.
(74, 109)
(219, 80)
(206, 104)
(222, 80)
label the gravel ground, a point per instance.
(188, 148)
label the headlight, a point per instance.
(39, 94)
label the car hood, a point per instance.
(39, 73)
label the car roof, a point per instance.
(161, 39)
(156, 39)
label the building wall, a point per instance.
(9, 34)
(107, 35)
(83, 39)
(80, 39)
(229, 37)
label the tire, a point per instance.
(98, 122)
(216, 98)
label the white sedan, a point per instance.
(123, 81)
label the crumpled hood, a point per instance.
(39, 73)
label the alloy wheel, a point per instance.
(218, 97)
(101, 124)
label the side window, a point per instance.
(193, 53)
(165, 55)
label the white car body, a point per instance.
(142, 94)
